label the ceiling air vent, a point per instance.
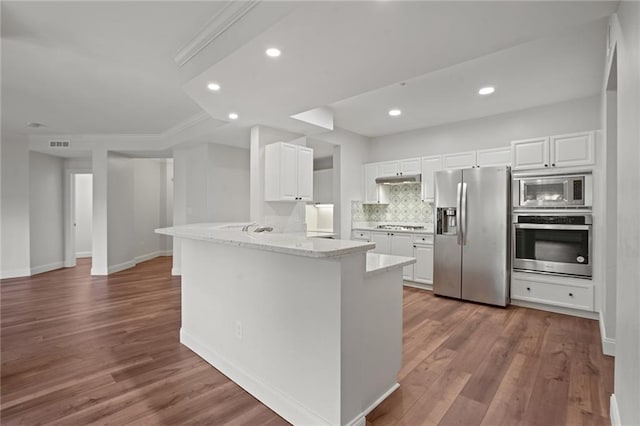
(59, 144)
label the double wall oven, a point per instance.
(552, 224)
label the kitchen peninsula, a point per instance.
(312, 327)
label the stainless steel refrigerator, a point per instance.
(472, 243)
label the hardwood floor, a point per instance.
(78, 349)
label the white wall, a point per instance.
(46, 219)
(626, 30)
(14, 207)
(490, 132)
(83, 213)
(149, 204)
(121, 248)
(210, 184)
(351, 150)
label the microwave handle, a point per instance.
(556, 226)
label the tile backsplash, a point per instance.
(405, 205)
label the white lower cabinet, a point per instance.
(423, 268)
(558, 293)
(402, 245)
(383, 244)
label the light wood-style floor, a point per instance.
(78, 349)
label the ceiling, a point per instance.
(96, 67)
(347, 54)
(108, 67)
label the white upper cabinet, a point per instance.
(461, 160)
(577, 149)
(288, 172)
(323, 186)
(389, 168)
(411, 166)
(530, 154)
(374, 193)
(430, 165)
(493, 157)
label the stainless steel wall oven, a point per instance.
(553, 243)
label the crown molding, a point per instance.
(185, 124)
(220, 23)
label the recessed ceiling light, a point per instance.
(486, 90)
(273, 52)
(394, 112)
(214, 87)
(233, 116)
(35, 125)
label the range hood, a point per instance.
(397, 180)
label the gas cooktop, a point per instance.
(400, 227)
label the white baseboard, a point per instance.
(176, 272)
(286, 406)
(418, 285)
(556, 309)
(120, 267)
(83, 254)
(15, 273)
(608, 344)
(614, 413)
(46, 268)
(360, 419)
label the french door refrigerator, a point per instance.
(472, 243)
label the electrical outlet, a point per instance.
(239, 329)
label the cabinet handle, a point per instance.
(414, 246)
(546, 165)
(400, 173)
(571, 294)
(553, 165)
(528, 288)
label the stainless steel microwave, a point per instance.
(552, 191)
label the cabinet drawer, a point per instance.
(361, 235)
(576, 297)
(423, 239)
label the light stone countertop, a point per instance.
(290, 243)
(377, 262)
(425, 231)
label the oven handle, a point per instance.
(558, 227)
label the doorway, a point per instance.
(83, 214)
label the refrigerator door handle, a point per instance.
(458, 212)
(463, 214)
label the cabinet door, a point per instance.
(577, 149)
(316, 187)
(382, 242)
(461, 160)
(390, 168)
(411, 166)
(305, 173)
(288, 172)
(370, 186)
(494, 157)
(430, 165)
(423, 268)
(530, 154)
(402, 245)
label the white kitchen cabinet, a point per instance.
(383, 243)
(577, 149)
(423, 268)
(390, 168)
(288, 172)
(530, 154)
(460, 160)
(374, 193)
(323, 186)
(411, 166)
(402, 245)
(493, 157)
(430, 165)
(361, 235)
(553, 293)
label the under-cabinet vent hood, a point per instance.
(400, 179)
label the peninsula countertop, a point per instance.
(290, 243)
